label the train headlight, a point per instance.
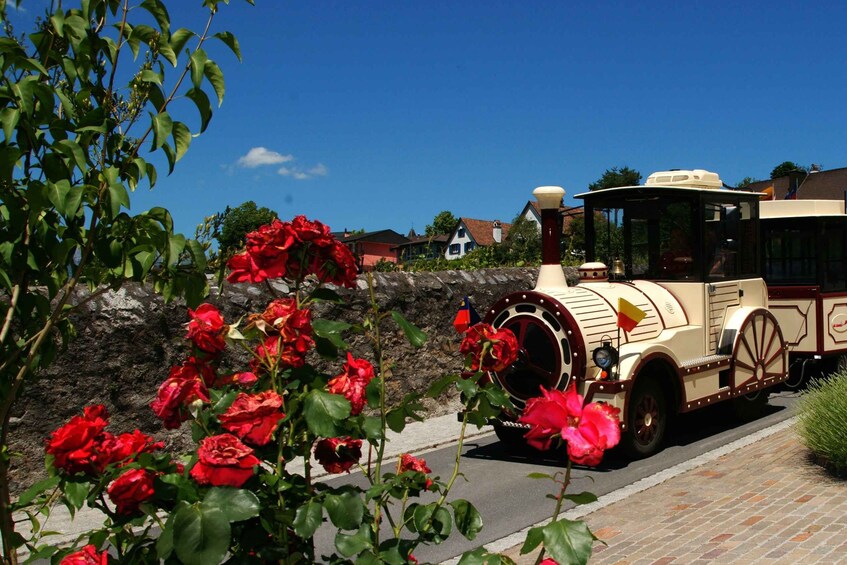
(605, 356)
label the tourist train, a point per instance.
(735, 294)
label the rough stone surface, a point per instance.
(127, 341)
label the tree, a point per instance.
(71, 153)
(237, 222)
(523, 244)
(784, 168)
(745, 183)
(442, 224)
(623, 176)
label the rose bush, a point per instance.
(239, 498)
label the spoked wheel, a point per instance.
(646, 420)
(759, 353)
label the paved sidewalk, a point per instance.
(761, 503)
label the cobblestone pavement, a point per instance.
(764, 503)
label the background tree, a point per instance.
(784, 168)
(523, 244)
(442, 224)
(70, 155)
(616, 176)
(745, 182)
(237, 222)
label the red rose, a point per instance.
(75, 445)
(253, 417)
(411, 463)
(124, 448)
(548, 415)
(352, 382)
(591, 430)
(549, 561)
(177, 392)
(244, 379)
(314, 232)
(207, 329)
(266, 254)
(276, 352)
(130, 489)
(338, 454)
(86, 556)
(223, 461)
(490, 349)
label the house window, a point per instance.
(461, 232)
(455, 248)
(469, 246)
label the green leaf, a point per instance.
(324, 411)
(331, 330)
(324, 294)
(540, 476)
(118, 196)
(180, 37)
(197, 253)
(230, 40)
(345, 510)
(201, 535)
(568, 541)
(29, 494)
(581, 498)
(349, 545)
(73, 152)
(157, 10)
(216, 79)
(481, 556)
(236, 504)
(434, 520)
(415, 336)
(149, 75)
(438, 387)
(307, 519)
(75, 493)
(182, 139)
(533, 538)
(162, 128)
(9, 117)
(468, 519)
(198, 66)
(201, 101)
(372, 426)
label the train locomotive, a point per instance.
(684, 251)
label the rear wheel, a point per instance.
(646, 420)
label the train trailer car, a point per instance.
(684, 252)
(805, 267)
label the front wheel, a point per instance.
(646, 420)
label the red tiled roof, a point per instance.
(482, 231)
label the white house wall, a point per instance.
(455, 239)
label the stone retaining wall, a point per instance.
(127, 341)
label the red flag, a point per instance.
(465, 317)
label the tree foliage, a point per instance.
(78, 127)
(784, 168)
(237, 222)
(745, 183)
(442, 224)
(616, 176)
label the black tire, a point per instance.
(749, 407)
(646, 420)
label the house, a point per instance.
(532, 212)
(421, 247)
(370, 247)
(469, 234)
(812, 185)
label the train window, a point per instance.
(790, 253)
(834, 265)
(730, 240)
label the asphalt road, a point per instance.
(509, 501)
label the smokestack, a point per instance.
(551, 274)
(498, 232)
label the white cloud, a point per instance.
(319, 170)
(259, 156)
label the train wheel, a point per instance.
(759, 352)
(646, 420)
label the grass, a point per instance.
(822, 420)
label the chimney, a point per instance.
(551, 274)
(497, 232)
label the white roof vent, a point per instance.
(696, 178)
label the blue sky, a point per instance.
(379, 115)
